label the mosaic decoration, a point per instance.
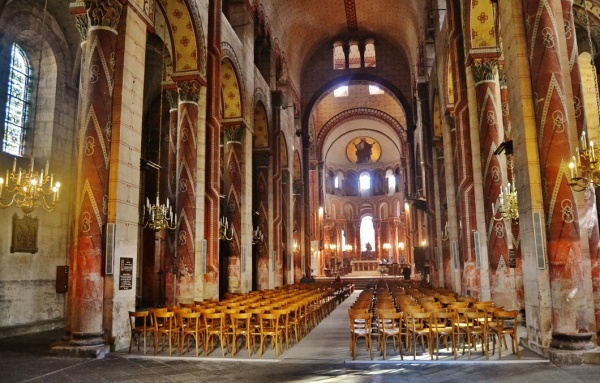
(363, 150)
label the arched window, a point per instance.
(339, 58)
(365, 181)
(370, 61)
(17, 102)
(354, 55)
(391, 180)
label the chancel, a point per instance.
(215, 150)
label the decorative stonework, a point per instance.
(104, 13)
(484, 69)
(234, 134)
(81, 22)
(189, 91)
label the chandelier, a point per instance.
(584, 169)
(257, 236)
(506, 204)
(160, 215)
(225, 233)
(31, 188)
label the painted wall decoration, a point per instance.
(363, 150)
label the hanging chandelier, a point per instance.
(30, 189)
(584, 168)
(160, 215)
(257, 236)
(225, 232)
(506, 204)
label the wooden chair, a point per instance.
(269, 328)
(190, 329)
(389, 324)
(474, 329)
(505, 323)
(416, 330)
(360, 327)
(166, 329)
(213, 328)
(241, 325)
(139, 329)
(441, 327)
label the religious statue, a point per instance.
(363, 151)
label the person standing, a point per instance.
(406, 272)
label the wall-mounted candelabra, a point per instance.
(446, 232)
(257, 236)
(225, 232)
(506, 205)
(584, 169)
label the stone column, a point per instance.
(569, 315)
(167, 265)
(277, 202)
(233, 156)
(260, 250)
(589, 214)
(187, 158)
(491, 135)
(212, 169)
(93, 179)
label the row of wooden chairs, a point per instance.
(277, 318)
(431, 320)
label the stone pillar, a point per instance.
(233, 157)
(491, 135)
(187, 158)
(569, 315)
(260, 250)
(212, 169)
(515, 262)
(589, 213)
(167, 265)
(464, 279)
(377, 244)
(277, 202)
(87, 283)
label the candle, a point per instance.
(592, 157)
(14, 166)
(47, 166)
(583, 141)
(571, 167)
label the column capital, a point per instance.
(103, 13)
(484, 69)
(189, 90)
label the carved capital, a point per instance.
(189, 90)
(502, 77)
(484, 69)
(105, 13)
(172, 97)
(233, 133)
(81, 22)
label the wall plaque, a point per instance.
(24, 234)
(125, 273)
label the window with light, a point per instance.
(17, 102)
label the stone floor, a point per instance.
(322, 356)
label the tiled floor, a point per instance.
(322, 356)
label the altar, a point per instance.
(366, 265)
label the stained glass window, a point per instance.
(17, 102)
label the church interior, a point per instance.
(171, 151)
